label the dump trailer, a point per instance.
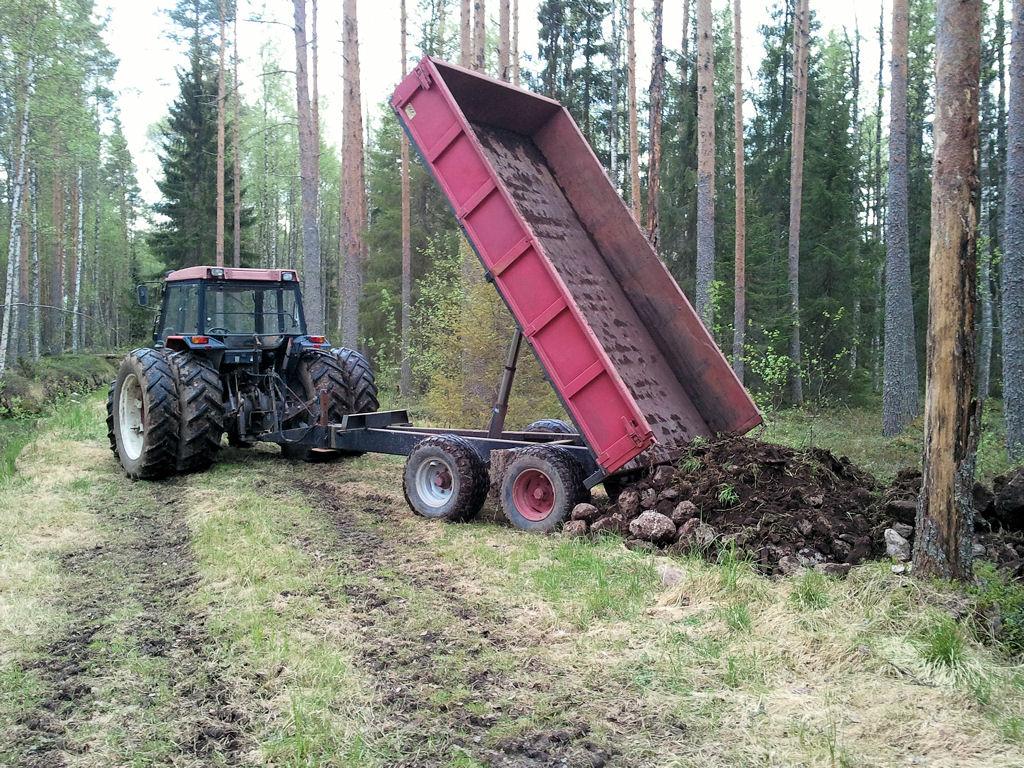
(630, 359)
(636, 370)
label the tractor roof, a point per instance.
(232, 273)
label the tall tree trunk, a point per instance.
(504, 72)
(657, 94)
(899, 382)
(36, 325)
(515, 42)
(76, 324)
(739, 319)
(236, 192)
(856, 186)
(405, 382)
(634, 139)
(1013, 246)
(308, 182)
(14, 239)
(465, 35)
(796, 182)
(353, 182)
(221, 108)
(479, 35)
(943, 545)
(876, 339)
(613, 122)
(705, 164)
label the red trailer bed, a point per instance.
(622, 346)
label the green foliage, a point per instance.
(727, 495)
(999, 607)
(942, 643)
(810, 590)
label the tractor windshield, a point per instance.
(270, 309)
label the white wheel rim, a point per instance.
(131, 413)
(434, 483)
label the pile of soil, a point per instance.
(782, 507)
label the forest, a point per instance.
(793, 208)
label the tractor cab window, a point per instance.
(181, 310)
(267, 311)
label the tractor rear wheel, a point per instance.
(359, 380)
(445, 479)
(316, 372)
(201, 399)
(541, 486)
(142, 415)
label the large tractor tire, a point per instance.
(551, 425)
(541, 486)
(445, 479)
(143, 415)
(359, 380)
(316, 371)
(201, 402)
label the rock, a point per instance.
(979, 550)
(788, 565)
(664, 507)
(687, 528)
(904, 530)
(648, 498)
(585, 512)
(805, 527)
(902, 510)
(696, 534)
(815, 501)
(610, 523)
(670, 574)
(833, 569)
(638, 545)
(896, 546)
(683, 511)
(841, 549)
(653, 526)
(663, 476)
(575, 528)
(668, 494)
(809, 557)
(629, 503)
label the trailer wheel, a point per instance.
(551, 425)
(201, 400)
(445, 479)
(541, 486)
(142, 415)
(359, 380)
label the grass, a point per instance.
(351, 633)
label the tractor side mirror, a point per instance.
(143, 293)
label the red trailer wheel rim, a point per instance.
(533, 494)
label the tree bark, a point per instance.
(1013, 246)
(657, 95)
(308, 182)
(504, 72)
(76, 304)
(220, 136)
(405, 381)
(353, 171)
(943, 545)
(515, 42)
(17, 197)
(36, 324)
(479, 35)
(236, 191)
(705, 165)
(739, 319)
(796, 182)
(634, 140)
(465, 35)
(899, 370)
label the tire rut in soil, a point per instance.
(146, 563)
(403, 668)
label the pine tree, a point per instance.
(1013, 246)
(705, 165)
(740, 278)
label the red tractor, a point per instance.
(231, 354)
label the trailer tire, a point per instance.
(359, 380)
(541, 486)
(201, 401)
(143, 415)
(551, 425)
(445, 479)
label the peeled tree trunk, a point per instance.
(899, 371)
(308, 183)
(1013, 247)
(705, 165)
(943, 544)
(801, 38)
